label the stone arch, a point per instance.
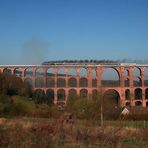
(61, 72)
(146, 93)
(137, 82)
(83, 93)
(127, 94)
(126, 82)
(138, 94)
(50, 95)
(72, 82)
(126, 72)
(39, 72)
(72, 93)
(50, 72)
(18, 71)
(72, 72)
(137, 71)
(146, 81)
(50, 82)
(111, 98)
(39, 95)
(94, 72)
(110, 78)
(39, 82)
(61, 95)
(83, 72)
(83, 82)
(146, 71)
(7, 71)
(61, 82)
(138, 103)
(94, 82)
(28, 72)
(28, 81)
(127, 104)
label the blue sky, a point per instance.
(33, 31)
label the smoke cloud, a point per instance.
(35, 51)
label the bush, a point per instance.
(84, 108)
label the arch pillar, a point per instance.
(55, 86)
(131, 85)
(66, 78)
(99, 72)
(131, 76)
(23, 73)
(142, 76)
(55, 96)
(66, 71)
(77, 76)
(144, 103)
(89, 79)
(33, 77)
(66, 94)
(12, 70)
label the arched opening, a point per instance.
(94, 82)
(61, 82)
(28, 81)
(7, 71)
(39, 82)
(147, 104)
(138, 94)
(50, 95)
(61, 95)
(28, 72)
(127, 104)
(126, 72)
(61, 72)
(111, 99)
(50, 72)
(127, 94)
(50, 82)
(72, 82)
(146, 71)
(83, 93)
(137, 82)
(18, 72)
(83, 82)
(72, 93)
(39, 72)
(138, 103)
(83, 72)
(94, 73)
(110, 78)
(146, 93)
(126, 82)
(94, 94)
(137, 71)
(39, 96)
(146, 81)
(72, 72)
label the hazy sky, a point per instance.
(32, 31)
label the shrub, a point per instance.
(83, 107)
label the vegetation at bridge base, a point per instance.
(29, 119)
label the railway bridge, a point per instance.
(128, 81)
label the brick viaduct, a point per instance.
(58, 81)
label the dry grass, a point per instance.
(45, 133)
